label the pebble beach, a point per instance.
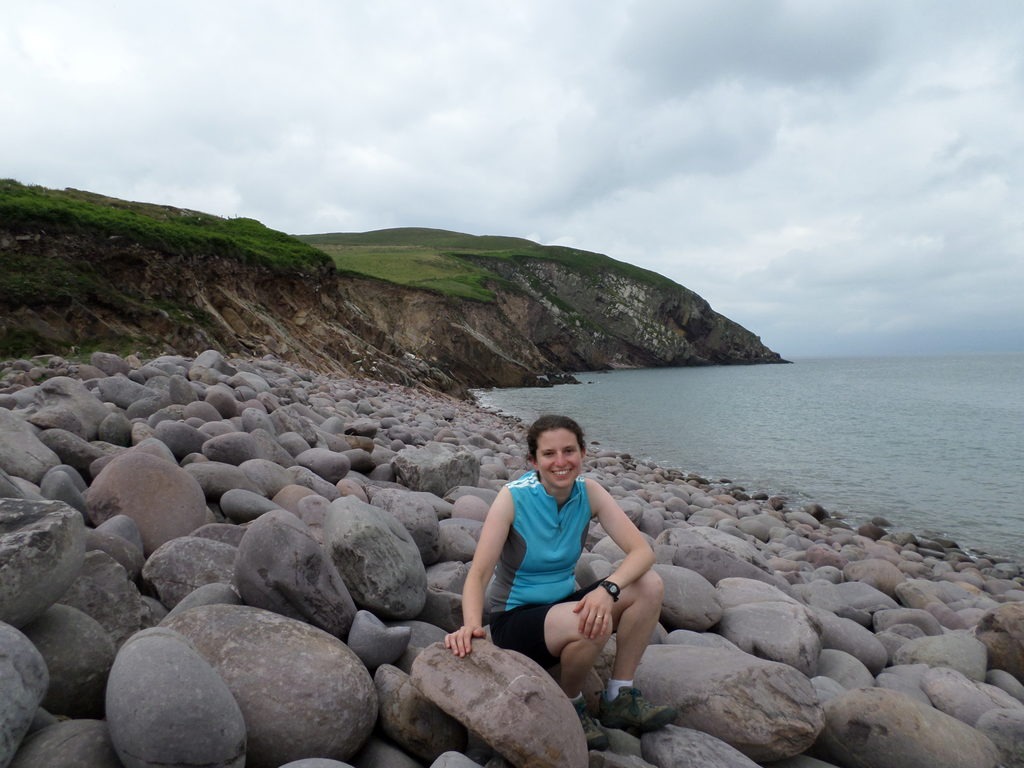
(224, 561)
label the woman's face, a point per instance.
(558, 460)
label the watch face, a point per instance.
(612, 588)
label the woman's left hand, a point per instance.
(595, 612)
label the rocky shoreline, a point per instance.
(239, 562)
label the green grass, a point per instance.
(171, 230)
(456, 263)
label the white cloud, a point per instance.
(836, 176)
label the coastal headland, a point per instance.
(241, 561)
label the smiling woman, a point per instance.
(531, 540)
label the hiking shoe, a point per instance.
(631, 710)
(596, 737)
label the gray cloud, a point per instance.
(837, 176)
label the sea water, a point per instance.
(935, 445)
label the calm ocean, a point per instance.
(933, 444)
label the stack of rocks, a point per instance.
(228, 562)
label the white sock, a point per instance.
(577, 698)
(613, 688)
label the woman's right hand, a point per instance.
(461, 640)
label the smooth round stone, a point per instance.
(242, 506)
(23, 680)
(104, 591)
(232, 448)
(215, 593)
(58, 485)
(216, 478)
(78, 653)
(180, 438)
(281, 567)
(301, 690)
(166, 706)
(68, 743)
(183, 564)
(267, 477)
(329, 465)
(223, 399)
(127, 555)
(374, 642)
(123, 526)
(42, 546)
(202, 410)
(163, 499)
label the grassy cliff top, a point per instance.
(29, 209)
(455, 263)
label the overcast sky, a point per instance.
(838, 177)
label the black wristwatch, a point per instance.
(613, 589)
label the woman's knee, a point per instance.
(649, 587)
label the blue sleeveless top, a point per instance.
(538, 560)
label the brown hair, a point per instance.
(546, 424)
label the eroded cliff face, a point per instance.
(548, 322)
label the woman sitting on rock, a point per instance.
(535, 532)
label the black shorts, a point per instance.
(522, 628)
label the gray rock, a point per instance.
(233, 448)
(121, 391)
(442, 609)
(110, 363)
(332, 466)
(672, 746)
(849, 636)
(8, 488)
(58, 485)
(379, 753)
(844, 669)
(956, 650)
(22, 454)
(301, 690)
(181, 438)
(827, 688)
(42, 546)
(702, 639)
(690, 602)
(1007, 682)
(919, 617)
(78, 653)
(783, 632)
(417, 514)
(65, 403)
(454, 542)
(115, 429)
(281, 567)
(453, 760)
(216, 478)
(710, 687)
(123, 526)
(374, 642)
(905, 679)
(884, 729)
(715, 564)
(163, 499)
(215, 593)
(377, 558)
(68, 744)
(167, 706)
(242, 506)
(104, 592)
(1005, 727)
(316, 762)
(73, 450)
(436, 467)
(527, 716)
(266, 477)
(24, 680)
(966, 700)
(182, 564)
(127, 555)
(411, 720)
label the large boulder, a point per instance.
(281, 567)
(377, 558)
(78, 653)
(42, 545)
(163, 499)
(513, 704)
(302, 692)
(774, 630)
(436, 467)
(881, 728)
(412, 720)
(417, 514)
(966, 700)
(1001, 630)
(23, 680)
(183, 564)
(104, 591)
(675, 746)
(68, 744)
(65, 403)
(690, 602)
(167, 706)
(766, 710)
(22, 454)
(956, 650)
